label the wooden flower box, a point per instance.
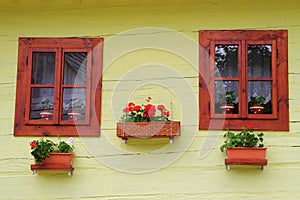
(169, 129)
(56, 161)
(246, 156)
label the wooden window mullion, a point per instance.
(57, 88)
(212, 78)
(274, 79)
(88, 86)
(243, 80)
(28, 86)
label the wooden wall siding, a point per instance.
(188, 177)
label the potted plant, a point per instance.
(244, 148)
(75, 108)
(256, 104)
(142, 121)
(49, 155)
(227, 101)
(46, 109)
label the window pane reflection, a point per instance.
(226, 97)
(259, 61)
(75, 65)
(260, 93)
(43, 68)
(226, 60)
(41, 105)
(74, 102)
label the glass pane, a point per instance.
(259, 61)
(74, 102)
(43, 68)
(41, 104)
(260, 97)
(75, 64)
(226, 60)
(226, 97)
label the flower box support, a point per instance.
(169, 129)
(56, 161)
(246, 156)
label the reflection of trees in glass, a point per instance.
(226, 60)
(259, 61)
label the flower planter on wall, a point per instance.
(56, 161)
(169, 129)
(246, 156)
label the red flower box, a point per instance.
(170, 129)
(246, 156)
(56, 161)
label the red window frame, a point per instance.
(90, 126)
(208, 119)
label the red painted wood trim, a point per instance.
(279, 120)
(90, 127)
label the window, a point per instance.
(243, 79)
(58, 87)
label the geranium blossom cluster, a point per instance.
(144, 113)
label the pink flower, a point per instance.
(152, 110)
(161, 107)
(165, 113)
(126, 110)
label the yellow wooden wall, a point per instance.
(165, 33)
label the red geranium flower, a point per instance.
(249, 126)
(146, 116)
(131, 104)
(167, 114)
(148, 107)
(136, 108)
(144, 113)
(32, 144)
